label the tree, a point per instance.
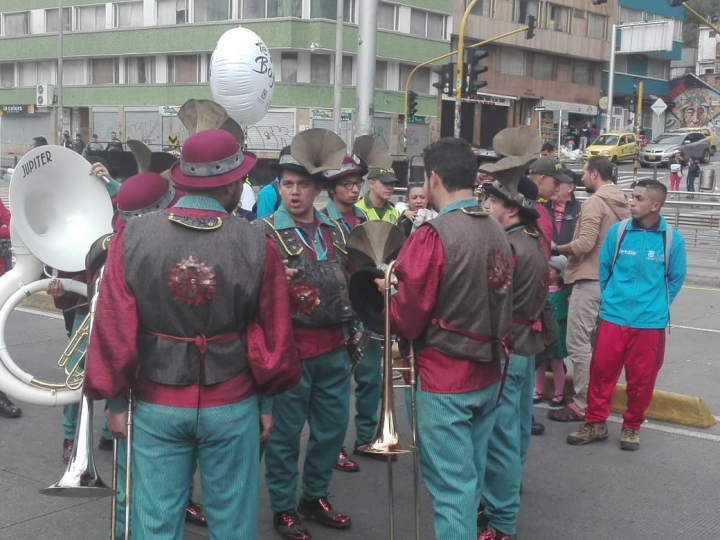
(706, 8)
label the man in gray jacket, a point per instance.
(607, 206)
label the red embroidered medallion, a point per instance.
(192, 282)
(499, 270)
(304, 298)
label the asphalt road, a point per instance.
(668, 489)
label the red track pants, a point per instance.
(642, 353)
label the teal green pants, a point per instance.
(453, 433)
(368, 381)
(322, 400)
(508, 445)
(167, 441)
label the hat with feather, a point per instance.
(519, 146)
(366, 152)
(149, 161)
(377, 157)
(313, 152)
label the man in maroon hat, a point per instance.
(314, 246)
(182, 321)
(344, 187)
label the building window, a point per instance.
(34, 73)
(420, 81)
(212, 10)
(350, 12)
(709, 71)
(323, 9)
(128, 15)
(482, 8)
(105, 71)
(621, 63)
(381, 68)
(268, 9)
(658, 69)
(597, 26)
(579, 14)
(583, 73)
(288, 67)
(426, 24)
(74, 72)
(523, 8)
(184, 68)
(558, 18)
(7, 75)
(511, 61)
(51, 20)
(436, 25)
(677, 33)
(387, 16)
(626, 15)
(90, 18)
(711, 35)
(320, 69)
(543, 67)
(16, 24)
(347, 71)
(140, 70)
(170, 12)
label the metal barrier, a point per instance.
(697, 219)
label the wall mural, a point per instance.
(696, 104)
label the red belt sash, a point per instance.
(201, 340)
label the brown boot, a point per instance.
(630, 439)
(588, 433)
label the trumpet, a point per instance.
(75, 373)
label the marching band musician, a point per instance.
(343, 186)
(462, 262)
(515, 210)
(314, 248)
(7, 408)
(184, 285)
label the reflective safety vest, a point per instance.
(391, 213)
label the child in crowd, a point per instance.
(558, 297)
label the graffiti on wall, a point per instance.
(695, 104)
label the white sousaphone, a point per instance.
(58, 210)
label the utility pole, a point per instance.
(367, 54)
(611, 79)
(337, 108)
(460, 61)
(61, 29)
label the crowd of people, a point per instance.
(253, 307)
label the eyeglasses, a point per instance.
(349, 185)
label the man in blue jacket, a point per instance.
(642, 267)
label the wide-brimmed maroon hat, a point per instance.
(211, 159)
(141, 194)
(352, 165)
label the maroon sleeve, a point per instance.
(112, 360)
(545, 224)
(4, 222)
(272, 357)
(419, 269)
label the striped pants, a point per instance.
(453, 434)
(167, 441)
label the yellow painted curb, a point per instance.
(40, 301)
(664, 406)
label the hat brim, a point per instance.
(563, 178)
(492, 190)
(118, 223)
(346, 174)
(386, 179)
(279, 167)
(208, 182)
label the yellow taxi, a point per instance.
(615, 146)
(709, 133)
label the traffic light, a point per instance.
(676, 3)
(445, 84)
(412, 104)
(532, 24)
(475, 70)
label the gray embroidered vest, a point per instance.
(319, 292)
(474, 302)
(196, 283)
(530, 286)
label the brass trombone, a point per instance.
(372, 247)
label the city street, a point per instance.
(597, 492)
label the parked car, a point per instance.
(614, 146)
(661, 149)
(709, 133)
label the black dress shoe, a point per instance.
(194, 514)
(537, 428)
(106, 444)
(7, 408)
(358, 451)
(289, 526)
(322, 511)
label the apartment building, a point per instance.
(129, 64)
(544, 82)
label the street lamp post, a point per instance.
(61, 29)
(337, 105)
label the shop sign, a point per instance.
(16, 109)
(484, 99)
(169, 110)
(329, 114)
(575, 108)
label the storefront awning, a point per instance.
(573, 108)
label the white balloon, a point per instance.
(242, 76)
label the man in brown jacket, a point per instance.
(607, 206)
